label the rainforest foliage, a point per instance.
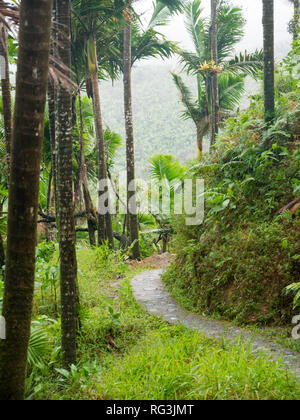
(78, 106)
(240, 261)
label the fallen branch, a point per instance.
(52, 219)
(291, 207)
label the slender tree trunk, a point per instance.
(131, 187)
(91, 215)
(199, 142)
(32, 75)
(104, 220)
(202, 127)
(215, 86)
(52, 97)
(296, 19)
(6, 96)
(52, 100)
(208, 84)
(2, 254)
(2, 250)
(269, 65)
(66, 224)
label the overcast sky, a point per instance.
(253, 29)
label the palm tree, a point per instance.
(214, 57)
(231, 89)
(232, 70)
(131, 188)
(294, 24)
(94, 19)
(167, 173)
(139, 45)
(52, 102)
(6, 94)
(32, 76)
(269, 63)
(65, 213)
(83, 179)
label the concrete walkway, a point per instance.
(149, 291)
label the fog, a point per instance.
(252, 10)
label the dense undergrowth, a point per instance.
(238, 263)
(125, 353)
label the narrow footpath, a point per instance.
(151, 293)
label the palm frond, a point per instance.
(151, 44)
(197, 27)
(231, 89)
(166, 167)
(190, 61)
(194, 110)
(246, 64)
(113, 142)
(38, 349)
(230, 30)
(173, 6)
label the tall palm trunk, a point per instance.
(215, 86)
(131, 188)
(2, 254)
(295, 27)
(52, 113)
(6, 96)
(105, 229)
(32, 75)
(269, 65)
(202, 127)
(66, 224)
(91, 215)
(52, 99)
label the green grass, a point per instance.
(280, 335)
(174, 363)
(152, 359)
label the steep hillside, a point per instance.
(239, 262)
(157, 123)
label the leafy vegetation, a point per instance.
(125, 353)
(70, 326)
(240, 261)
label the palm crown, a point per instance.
(232, 69)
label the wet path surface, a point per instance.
(150, 292)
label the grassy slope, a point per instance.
(149, 359)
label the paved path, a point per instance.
(149, 290)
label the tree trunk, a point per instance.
(199, 142)
(52, 100)
(2, 254)
(6, 96)
(202, 128)
(215, 86)
(91, 215)
(53, 143)
(296, 19)
(66, 224)
(269, 65)
(104, 220)
(31, 89)
(131, 188)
